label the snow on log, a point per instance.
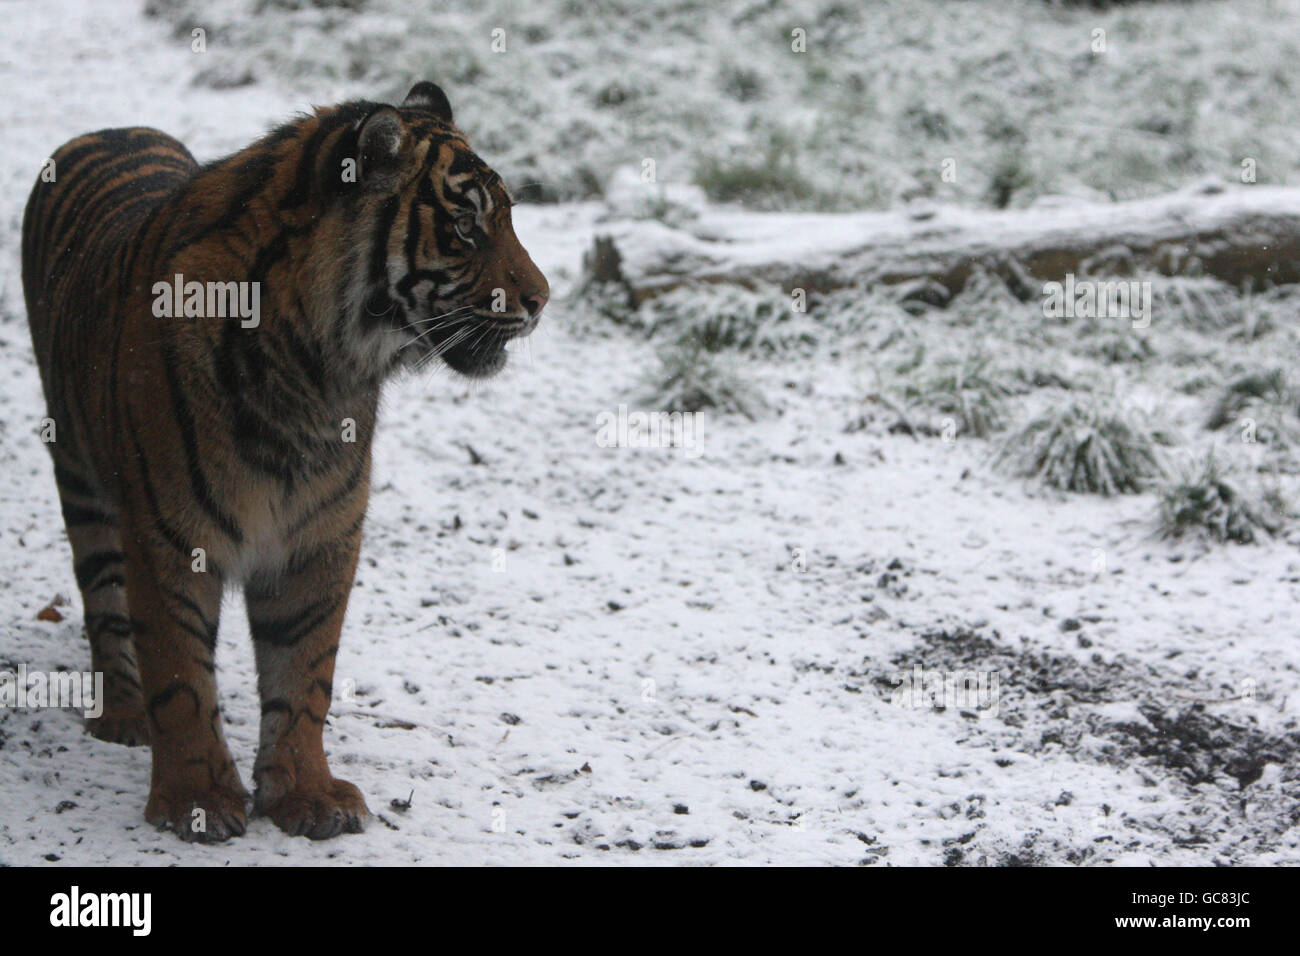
(1238, 234)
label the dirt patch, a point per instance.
(1201, 746)
(1235, 773)
(1054, 700)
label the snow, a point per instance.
(649, 679)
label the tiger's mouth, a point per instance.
(475, 349)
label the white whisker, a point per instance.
(436, 318)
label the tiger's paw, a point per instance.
(213, 815)
(318, 814)
(130, 729)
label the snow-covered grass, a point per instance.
(966, 388)
(691, 378)
(1267, 398)
(718, 317)
(1207, 499)
(561, 651)
(1093, 404)
(1095, 444)
(1016, 95)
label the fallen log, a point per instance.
(1243, 235)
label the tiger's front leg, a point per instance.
(295, 619)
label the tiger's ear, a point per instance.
(430, 98)
(381, 141)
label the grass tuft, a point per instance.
(1206, 501)
(965, 388)
(1087, 444)
(728, 316)
(1265, 401)
(690, 378)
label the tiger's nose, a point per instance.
(534, 302)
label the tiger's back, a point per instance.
(83, 231)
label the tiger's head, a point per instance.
(443, 275)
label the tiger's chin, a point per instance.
(480, 361)
(476, 352)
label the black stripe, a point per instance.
(70, 482)
(124, 201)
(412, 244)
(74, 515)
(169, 533)
(206, 632)
(300, 193)
(288, 630)
(379, 241)
(353, 528)
(252, 176)
(438, 277)
(205, 636)
(462, 162)
(341, 493)
(271, 253)
(133, 248)
(307, 354)
(254, 169)
(93, 565)
(67, 211)
(189, 442)
(50, 193)
(344, 147)
(184, 599)
(164, 697)
(259, 443)
(324, 656)
(173, 173)
(107, 143)
(108, 622)
(126, 677)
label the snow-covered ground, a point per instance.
(560, 651)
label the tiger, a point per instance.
(202, 442)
